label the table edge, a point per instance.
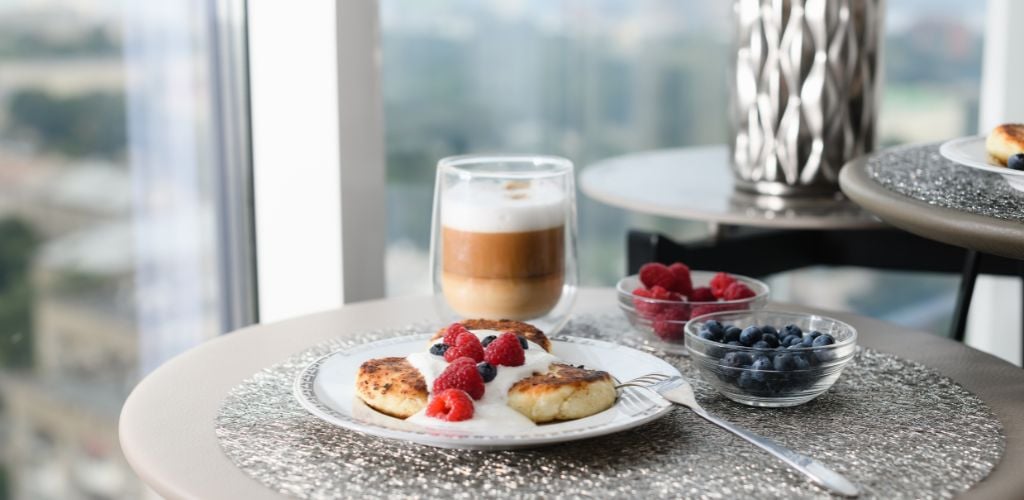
(955, 227)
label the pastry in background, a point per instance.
(1004, 142)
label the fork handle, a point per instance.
(815, 470)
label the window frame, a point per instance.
(328, 249)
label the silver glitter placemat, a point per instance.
(920, 172)
(899, 429)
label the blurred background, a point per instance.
(112, 130)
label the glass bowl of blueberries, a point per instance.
(770, 358)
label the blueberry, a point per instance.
(761, 362)
(750, 335)
(792, 329)
(815, 333)
(736, 359)
(438, 349)
(1016, 162)
(758, 368)
(823, 340)
(487, 371)
(706, 335)
(522, 342)
(714, 327)
(487, 340)
(807, 340)
(769, 329)
(747, 381)
(771, 339)
(800, 362)
(784, 363)
(760, 344)
(790, 340)
(731, 334)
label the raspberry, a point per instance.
(466, 345)
(669, 325)
(666, 330)
(461, 374)
(720, 282)
(702, 294)
(656, 274)
(684, 284)
(660, 293)
(737, 291)
(452, 405)
(505, 351)
(452, 334)
(651, 308)
(675, 312)
(645, 307)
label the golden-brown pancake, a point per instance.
(1005, 141)
(391, 386)
(563, 393)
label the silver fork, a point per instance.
(678, 390)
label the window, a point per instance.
(582, 79)
(593, 79)
(109, 263)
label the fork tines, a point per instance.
(645, 380)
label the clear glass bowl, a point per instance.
(661, 323)
(738, 380)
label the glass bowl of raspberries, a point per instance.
(660, 299)
(770, 358)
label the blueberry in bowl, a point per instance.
(769, 358)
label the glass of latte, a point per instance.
(504, 238)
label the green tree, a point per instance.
(90, 124)
(17, 244)
(5, 488)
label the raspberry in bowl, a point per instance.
(660, 300)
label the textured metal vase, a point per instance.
(804, 91)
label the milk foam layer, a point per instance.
(492, 409)
(485, 207)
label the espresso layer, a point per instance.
(518, 299)
(525, 254)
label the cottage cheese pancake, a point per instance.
(1005, 141)
(391, 386)
(563, 393)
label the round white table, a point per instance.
(697, 184)
(167, 423)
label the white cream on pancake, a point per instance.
(491, 410)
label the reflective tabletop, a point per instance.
(697, 184)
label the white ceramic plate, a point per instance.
(327, 389)
(970, 152)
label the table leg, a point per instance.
(963, 297)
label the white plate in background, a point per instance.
(971, 152)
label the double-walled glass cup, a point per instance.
(503, 244)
